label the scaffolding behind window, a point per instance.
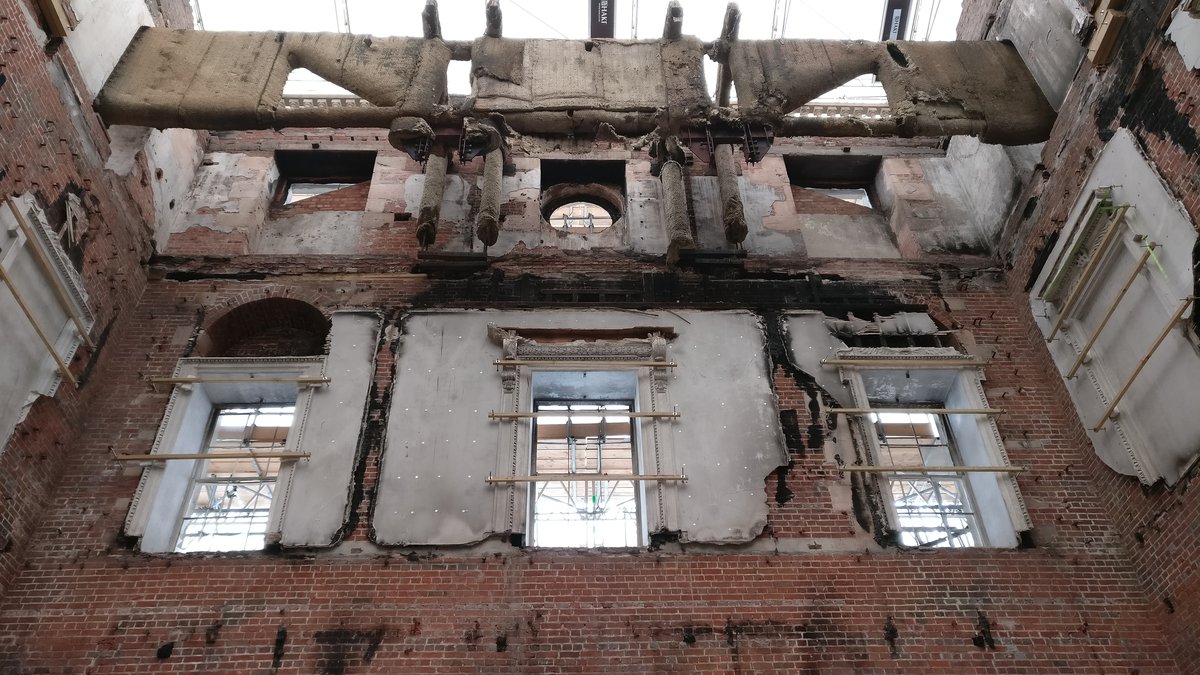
(590, 437)
(581, 217)
(229, 502)
(933, 509)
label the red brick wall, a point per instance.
(1088, 598)
(49, 146)
(1072, 604)
(1148, 90)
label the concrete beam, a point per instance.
(170, 78)
(673, 26)
(495, 20)
(729, 33)
(431, 198)
(733, 216)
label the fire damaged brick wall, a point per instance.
(1103, 582)
(814, 589)
(1148, 90)
(51, 146)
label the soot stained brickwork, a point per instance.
(1104, 582)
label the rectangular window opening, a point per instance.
(229, 498)
(581, 438)
(934, 509)
(850, 178)
(304, 174)
(299, 191)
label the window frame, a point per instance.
(512, 507)
(967, 388)
(823, 173)
(22, 265)
(942, 427)
(158, 506)
(636, 463)
(346, 168)
(202, 464)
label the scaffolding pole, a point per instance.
(931, 411)
(932, 469)
(168, 456)
(1112, 307)
(1108, 413)
(579, 413)
(585, 478)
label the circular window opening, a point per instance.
(580, 217)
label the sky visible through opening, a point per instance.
(464, 20)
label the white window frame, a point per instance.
(638, 487)
(161, 501)
(1001, 521)
(653, 443)
(201, 481)
(23, 265)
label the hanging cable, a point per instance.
(539, 19)
(199, 17)
(937, 6)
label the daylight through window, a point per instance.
(230, 497)
(584, 438)
(298, 192)
(580, 217)
(933, 509)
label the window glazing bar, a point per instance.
(1112, 307)
(1108, 412)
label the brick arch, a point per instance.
(266, 327)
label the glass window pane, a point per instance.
(581, 217)
(230, 498)
(932, 508)
(584, 513)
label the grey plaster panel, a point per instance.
(319, 495)
(706, 206)
(1184, 31)
(1155, 428)
(441, 446)
(811, 341)
(644, 220)
(729, 438)
(1043, 31)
